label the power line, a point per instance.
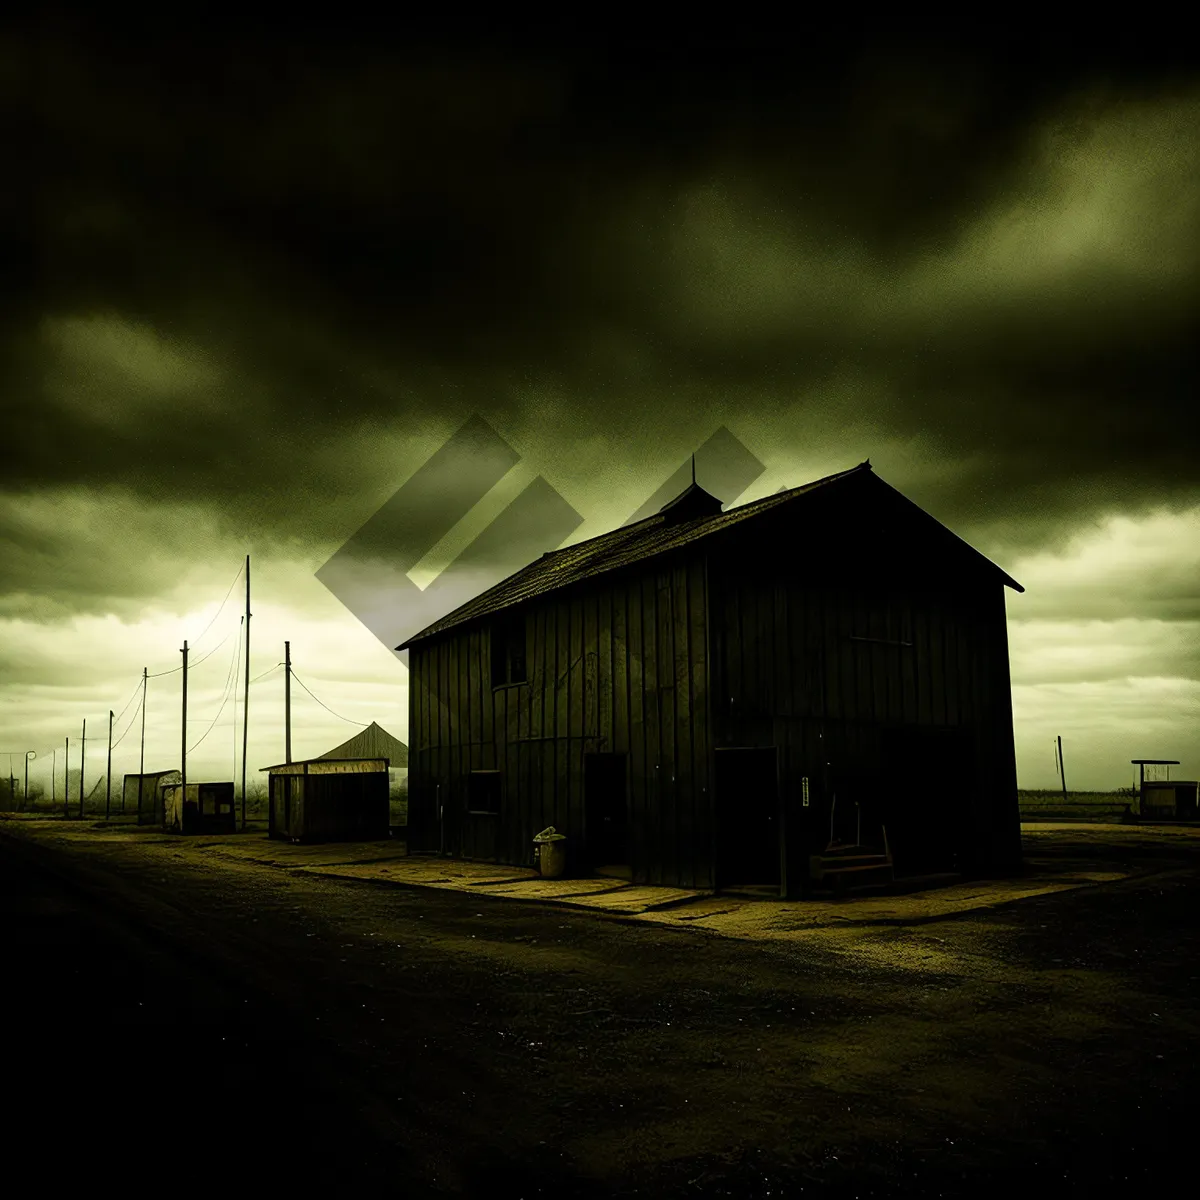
(326, 706)
(266, 673)
(174, 670)
(131, 722)
(223, 602)
(225, 695)
(193, 665)
(128, 702)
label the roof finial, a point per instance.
(693, 468)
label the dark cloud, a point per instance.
(273, 266)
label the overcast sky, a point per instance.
(273, 275)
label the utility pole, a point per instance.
(287, 698)
(67, 778)
(246, 697)
(27, 754)
(108, 770)
(183, 734)
(1062, 770)
(53, 768)
(142, 759)
(82, 764)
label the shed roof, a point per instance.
(372, 742)
(326, 760)
(653, 535)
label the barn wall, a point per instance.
(620, 668)
(789, 672)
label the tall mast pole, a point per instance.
(1062, 770)
(142, 759)
(82, 765)
(246, 697)
(108, 771)
(183, 733)
(287, 699)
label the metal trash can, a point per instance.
(551, 852)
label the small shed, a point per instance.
(199, 808)
(329, 800)
(1165, 799)
(1170, 799)
(143, 794)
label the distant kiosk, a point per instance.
(1162, 799)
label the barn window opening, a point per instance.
(483, 792)
(508, 651)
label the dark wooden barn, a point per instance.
(327, 800)
(707, 698)
(143, 794)
(199, 808)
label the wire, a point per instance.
(128, 702)
(173, 670)
(229, 593)
(266, 673)
(326, 706)
(128, 727)
(193, 665)
(225, 695)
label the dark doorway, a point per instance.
(930, 792)
(606, 812)
(747, 811)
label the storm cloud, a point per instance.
(274, 273)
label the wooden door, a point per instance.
(747, 815)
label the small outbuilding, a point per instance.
(1165, 799)
(199, 808)
(329, 800)
(143, 794)
(1170, 799)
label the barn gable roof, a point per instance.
(654, 535)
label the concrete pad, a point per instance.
(638, 899)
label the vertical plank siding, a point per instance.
(730, 646)
(618, 669)
(787, 649)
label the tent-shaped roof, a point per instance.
(372, 742)
(663, 531)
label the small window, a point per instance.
(508, 651)
(483, 792)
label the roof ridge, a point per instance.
(595, 555)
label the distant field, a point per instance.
(1035, 803)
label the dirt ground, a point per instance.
(433, 1042)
